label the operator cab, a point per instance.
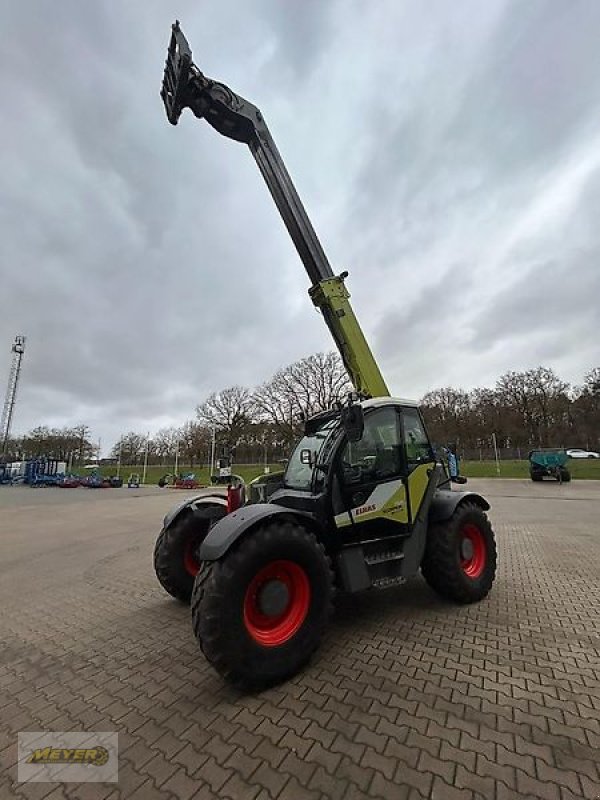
(376, 482)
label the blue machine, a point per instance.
(43, 472)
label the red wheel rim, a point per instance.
(191, 564)
(472, 565)
(271, 630)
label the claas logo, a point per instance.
(98, 756)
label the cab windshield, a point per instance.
(298, 475)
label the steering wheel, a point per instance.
(352, 472)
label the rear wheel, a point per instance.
(176, 561)
(565, 475)
(460, 555)
(260, 611)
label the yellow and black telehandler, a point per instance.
(363, 502)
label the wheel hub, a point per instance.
(273, 598)
(276, 602)
(191, 562)
(473, 551)
(466, 549)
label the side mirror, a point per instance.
(306, 457)
(353, 422)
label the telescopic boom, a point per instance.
(184, 86)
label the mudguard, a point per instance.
(229, 529)
(194, 504)
(445, 502)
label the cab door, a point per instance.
(419, 458)
(372, 479)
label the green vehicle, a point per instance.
(549, 463)
(133, 481)
(363, 502)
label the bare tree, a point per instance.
(550, 404)
(515, 396)
(301, 389)
(230, 411)
(131, 446)
(165, 443)
(486, 417)
(446, 411)
(536, 402)
(194, 441)
(81, 443)
(586, 410)
(63, 444)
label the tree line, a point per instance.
(256, 426)
(524, 410)
(72, 445)
(533, 408)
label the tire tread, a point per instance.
(167, 545)
(210, 591)
(439, 565)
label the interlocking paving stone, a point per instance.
(409, 697)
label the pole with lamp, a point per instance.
(495, 443)
(146, 457)
(213, 445)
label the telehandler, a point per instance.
(362, 503)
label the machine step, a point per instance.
(383, 560)
(387, 583)
(380, 558)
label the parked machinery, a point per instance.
(549, 463)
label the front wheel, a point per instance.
(259, 612)
(176, 561)
(460, 555)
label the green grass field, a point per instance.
(579, 468)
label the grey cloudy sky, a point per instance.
(447, 153)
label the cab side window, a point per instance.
(378, 455)
(417, 447)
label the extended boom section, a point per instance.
(185, 86)
(331, 296)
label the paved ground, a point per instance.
(408, 697)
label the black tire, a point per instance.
(448, 569)
(175, 561)
(565, 475)
(223, 598)
(535, 476)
